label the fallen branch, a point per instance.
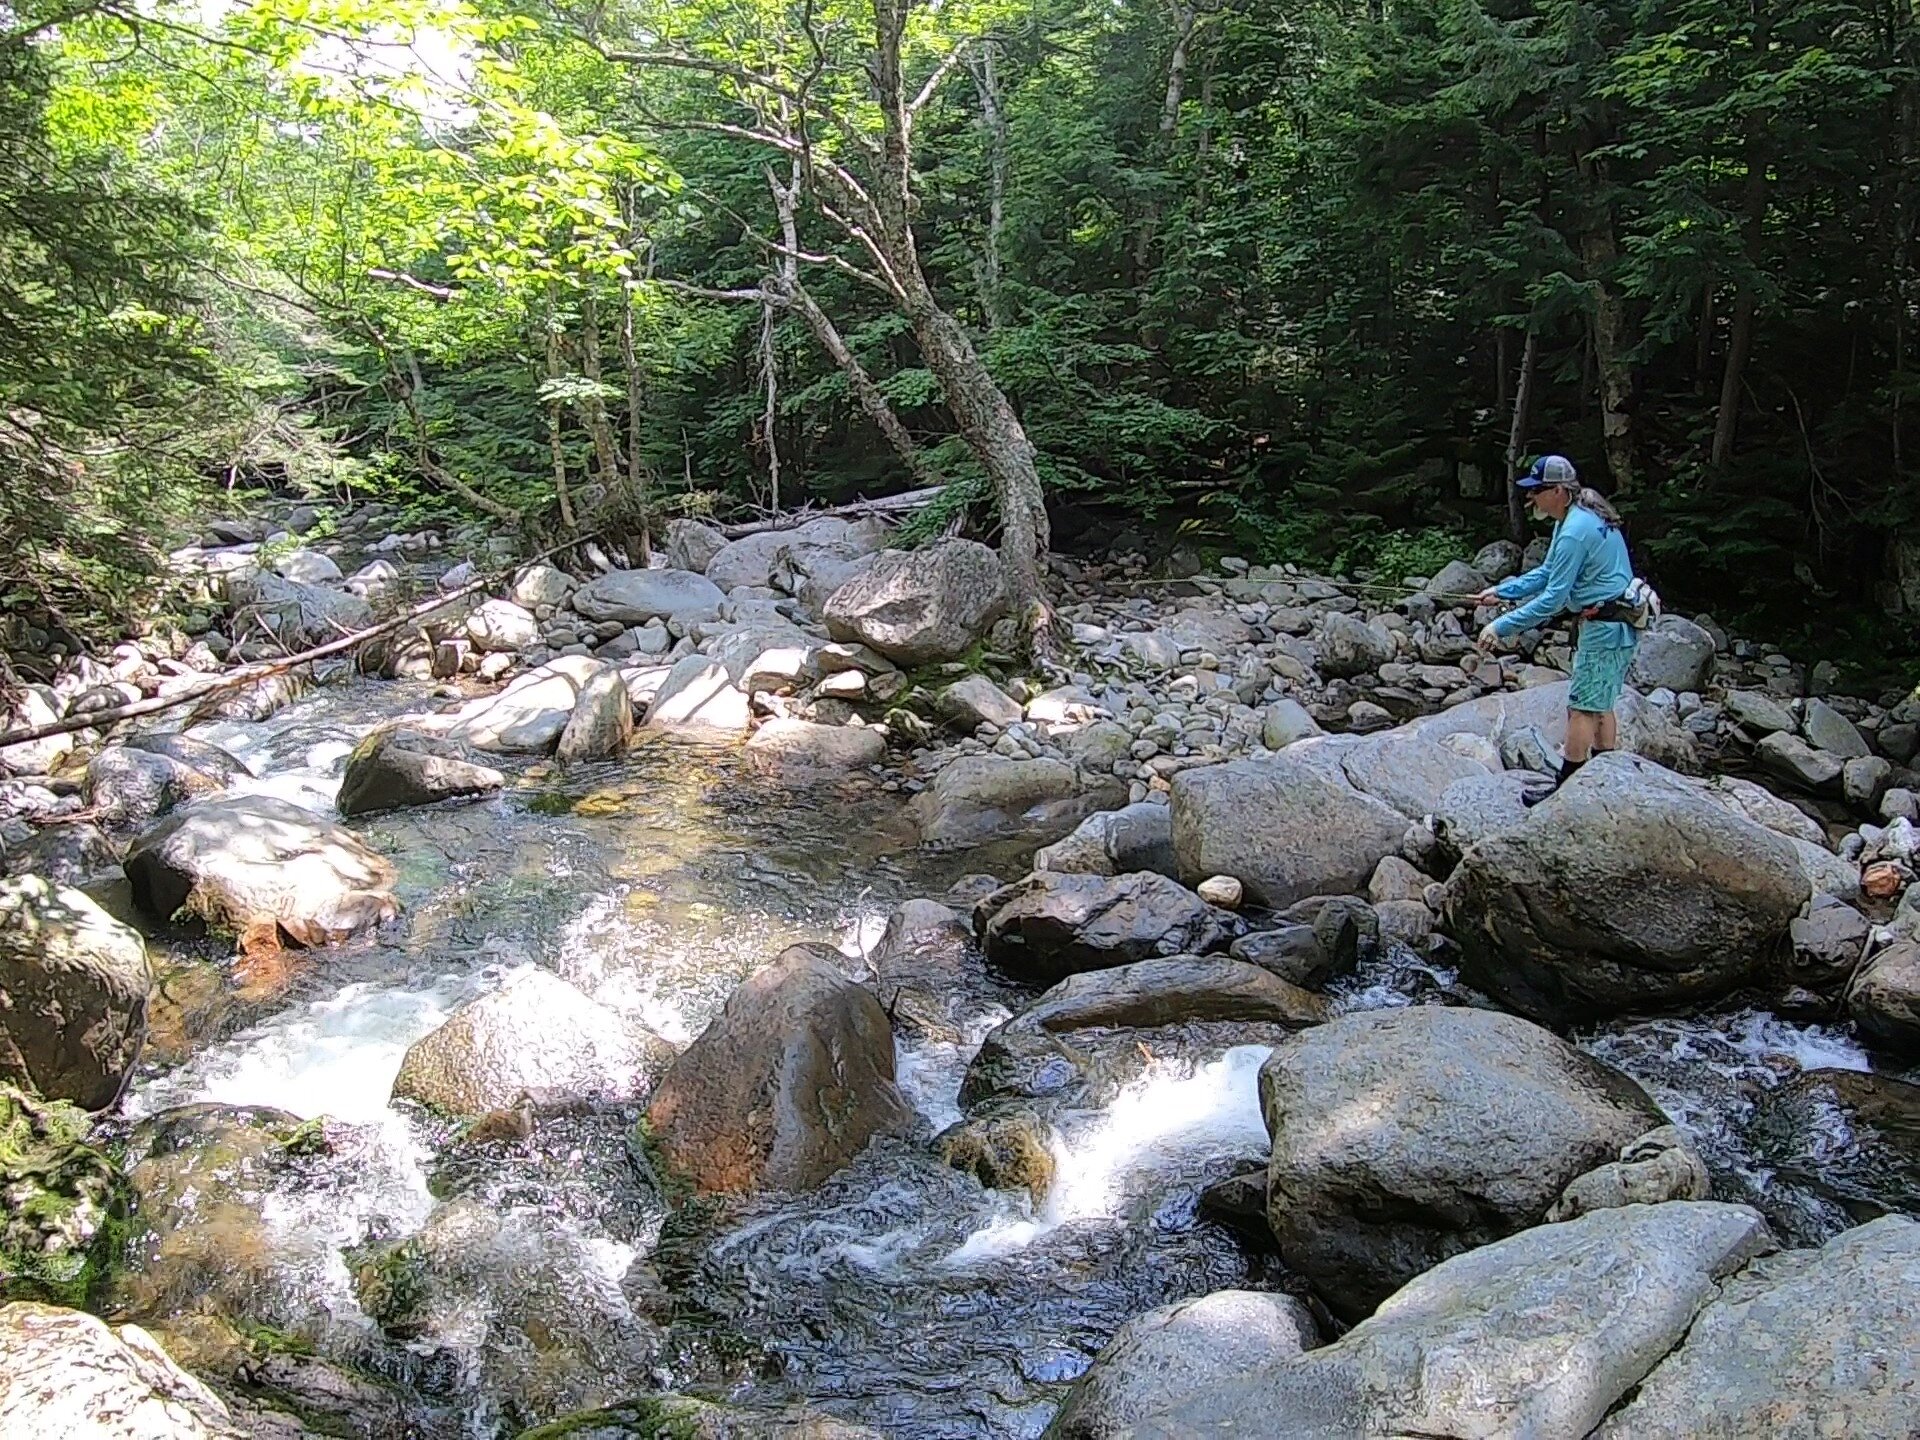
(887, 505)
(250, 674)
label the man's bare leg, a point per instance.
(1607, 734)
(1583, 726)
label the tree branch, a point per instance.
(940, 73)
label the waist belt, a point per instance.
(1618, 610)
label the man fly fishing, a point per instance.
(1586, 574)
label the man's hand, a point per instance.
(1489, 640)
(1489, 596)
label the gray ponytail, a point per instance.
(1591, 499)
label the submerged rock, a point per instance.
(536, 1038)
(1051, 925)
(133, 783)
(65, 1374)
(396, 767)
(1851, 1137)
(239, 861)
(921, 606)
(1810, 1342)
(656, 1417)
(786, 1085)
(1626, 890)
(1538, 1334)
(74, 984)
(1404, 1137)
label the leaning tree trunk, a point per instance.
(1523, 392)
(871, 401)
(556, 438)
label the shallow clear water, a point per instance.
(902, 1293)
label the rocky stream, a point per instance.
(731, 999)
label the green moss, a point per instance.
(391, 1285)
(63, 1204)
(309, 1137)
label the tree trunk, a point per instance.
(639, 492)
(1184, 18)
(1203, 146)
(871, 401)
(981, 412)
(411, 386)
(1600, 252)
(986, 82)
(770, 377)
(555, 438)
(599, 425)
(1523, 392)
(1740, 339)
(1703, 338)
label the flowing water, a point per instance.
(902, 1293)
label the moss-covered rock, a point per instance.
(62, 1203)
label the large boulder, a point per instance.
(1627, 890)
(298, 616)
(308, 567)
(973, 701)
(1806, 1343)
(245, 860)
(692, 544)
(749, 560)
(1407, 772)
(128, 785)
(541, 584)
(1158, 1360)
(788, 1083)
(1537, 1335)
(1051, 925)
(64, 1375)
(74, 983)
(396, 767)
(602, 721)
(699, 699)
(801, 745)
(1644, 728)
(633, 597)
(1884, 998)
(535, 1038)
(979, 796)
(531, 712)
(920, 606)
(811, 573)
(1403, 1137)
(1674, 654)
(1791, 759)
(35, 706)
(1285, 827)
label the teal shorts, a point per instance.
(1600, 672)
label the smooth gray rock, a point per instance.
(748, 561)
(1537, 1335)
(1158, 1360)
(979, 796)
(1793, 760)
(1408, 773)
(395, 767)
(1115, 842)
(601, 725)
(242, 860)
(1884, 998)
(1457, 578)
(74, 984)
(1404, 1137)
(974, 701)
(1864, 780)
(1643, 728)
(633, 597)
(699, 699)
(1674, 653)
(1763, 807)
(1760, 713)
(502, 626)
(536, 1038)
(1627, 890)
(1657, 1167)
(129, 786)
(307, 567)
(1483, 805)
(1284, 827)
(1051, 925)
(1498, 561)
(1285, 721)
(921, 606)
(64, 1375)
(1827, 942)
(542, 584)
(792, 744)
(692, 544)
(1827, 729)
(298, 616)
(530, 713)
(1022, 1058)
(1808, 1343)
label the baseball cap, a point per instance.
(1548, 470)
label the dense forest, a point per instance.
(1300, 281)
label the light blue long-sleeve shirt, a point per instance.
(1586, 565)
